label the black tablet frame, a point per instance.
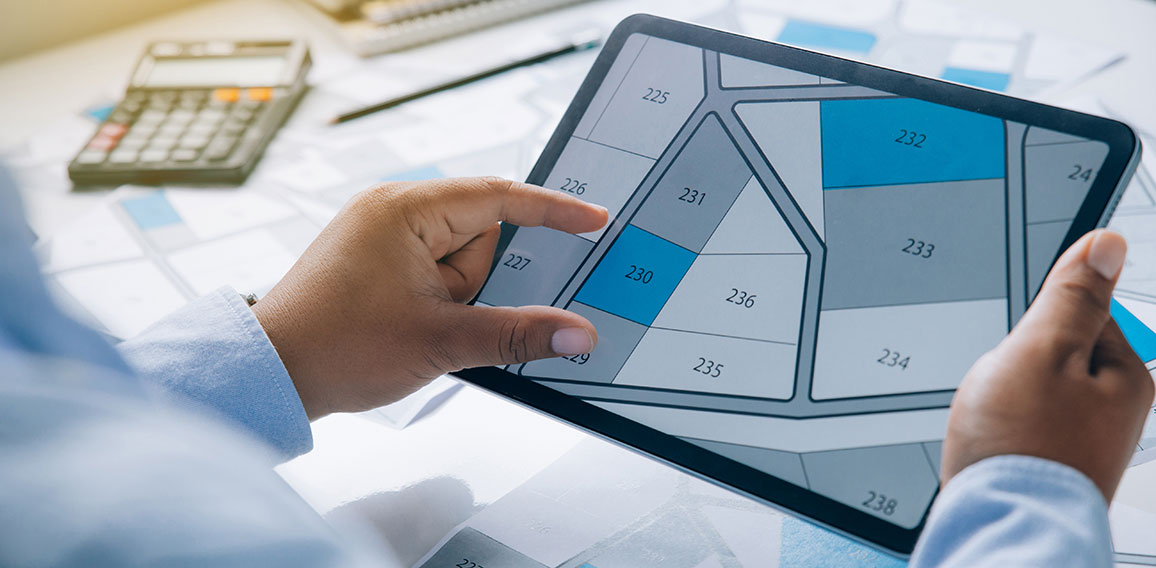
(1121, 161)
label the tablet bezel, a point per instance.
(1108, 186)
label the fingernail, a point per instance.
(1106, 255)
(572, 341)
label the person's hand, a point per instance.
(374, 308)
(1064, 385)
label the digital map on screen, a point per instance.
(798, 271)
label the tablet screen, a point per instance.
(798, 271)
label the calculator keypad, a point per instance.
(178, 127)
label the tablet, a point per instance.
(805, 256)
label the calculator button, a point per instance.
(241, 114)
(112, 130)
(169, 129)
(184, 155)
(89, 157)
(132, 143)
(181, 115)
(227, 95)
(101, 142)
(194, 96)
(202, 129)
(261, 94)
(209, 115)
(233, 128)
(220, 148)
(153, 156)
(194, 141)
(120, 115)
(162, 142)
(151, 116)
(135, 97)
(141, 131)
(122, 157)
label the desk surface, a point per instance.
(484, 445)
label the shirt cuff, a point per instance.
(1017, 510)
(213, 354)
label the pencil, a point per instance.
(569, 48)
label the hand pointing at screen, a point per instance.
(374, 308)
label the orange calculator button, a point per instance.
(261, 94)
(227, 95)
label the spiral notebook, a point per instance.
(379, 26)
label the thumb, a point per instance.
(1073, 304)
(481, 335)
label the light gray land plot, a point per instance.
(897, 474)
(740, 72)
(788, 135)
(709, 164)
(1054, 178)
(868, 228)
(617, 338)
(1037, 136)
(540, 280)
(1044, 242)
(626, 59)
(787, 466)
(606, 176)
(934, 451)
(658, 93)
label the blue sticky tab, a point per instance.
(151, 211)
(100, 112)
(872, 142)
(1140, 336)
(804, 544)
(798, 32)
(420, 174)
(989, 80)
(636, 276)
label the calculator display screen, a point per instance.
(243, 71)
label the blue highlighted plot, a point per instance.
(1139, 336)
(151, 211)
(989, 80)
(636, 276)
(869, 142)
(801, 33)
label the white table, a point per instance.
(476, 447)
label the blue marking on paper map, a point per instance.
(420, 174)
(1140, 336)
(990, 80)
(805, 545)
(870, 142)
(798, 32)
(151, 211)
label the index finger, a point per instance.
(470, 205)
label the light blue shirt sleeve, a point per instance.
(213, 355)
(1017, 511)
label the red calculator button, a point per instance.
(102, 142)
(112, 130)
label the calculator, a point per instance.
(196, 112)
